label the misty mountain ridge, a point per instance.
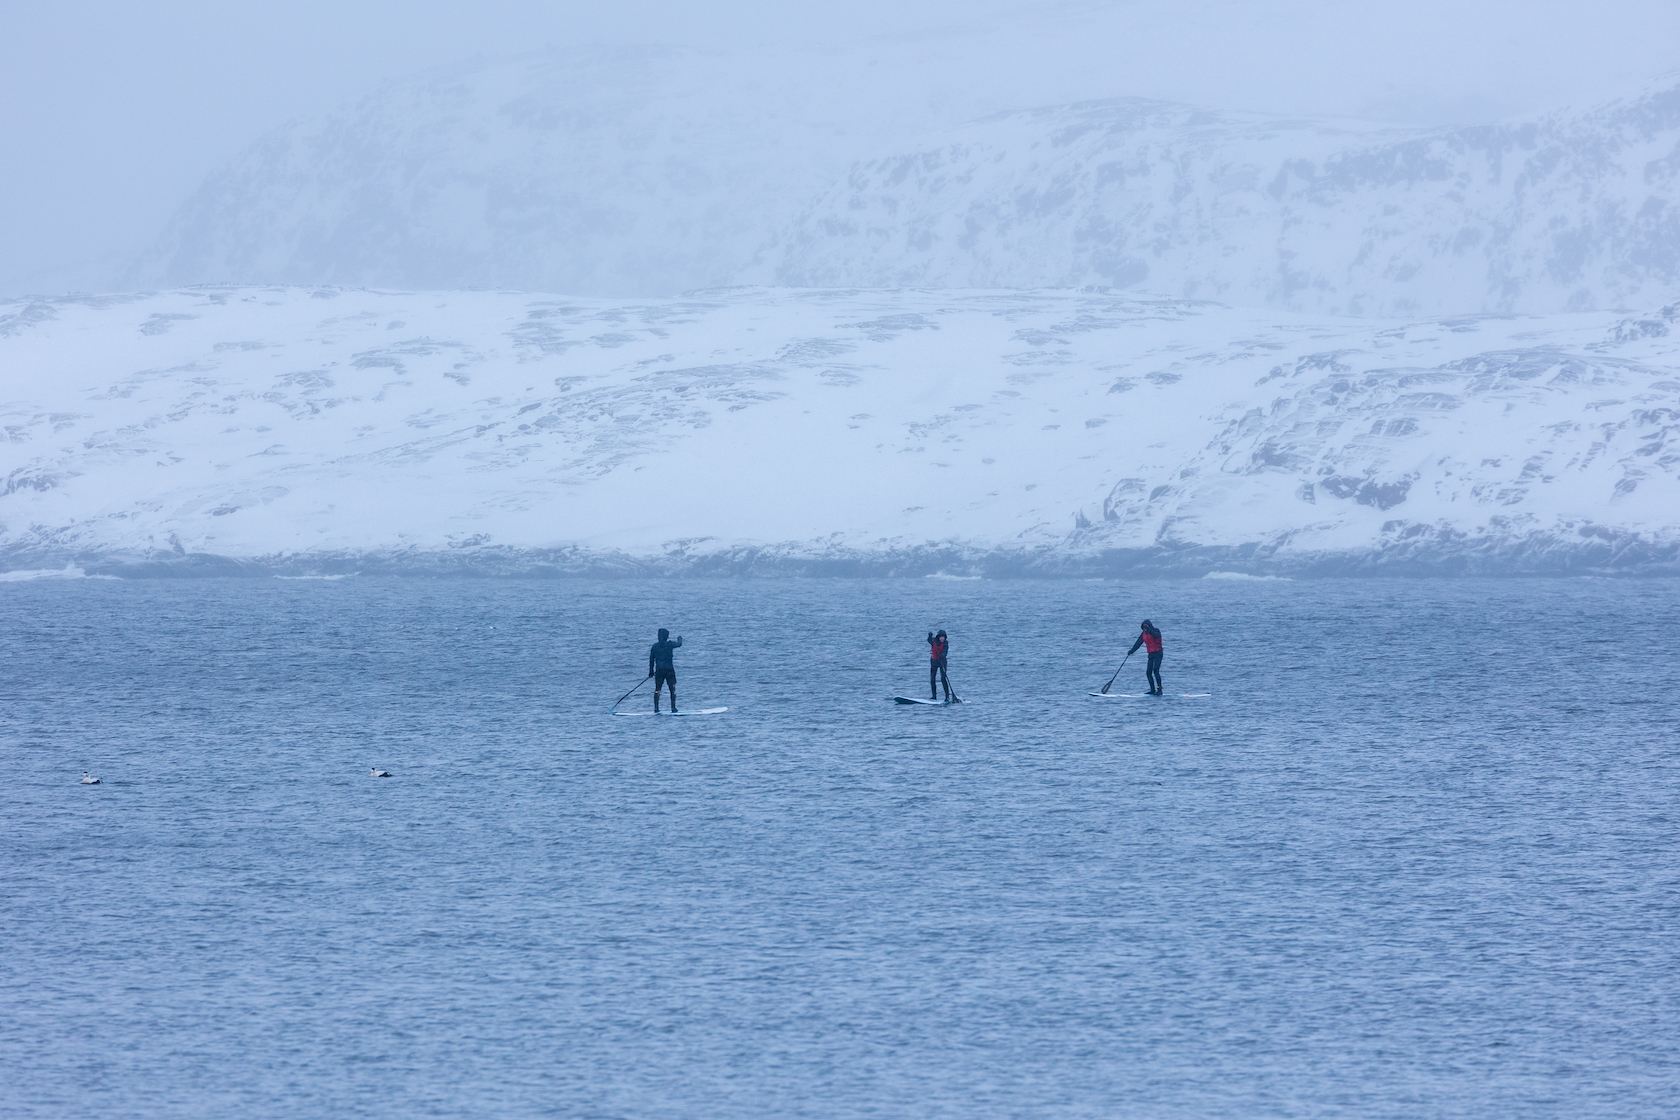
(1572, 211)
(329, 431)
(644, 173)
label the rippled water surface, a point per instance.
(1414, 856)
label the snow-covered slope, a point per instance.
(910, 431)
(1575, 210)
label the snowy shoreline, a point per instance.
(1540, 556)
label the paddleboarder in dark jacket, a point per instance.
(1150, 640)
(661, 669)
(938, 646)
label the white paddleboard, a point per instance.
(929, 703)
(681, 712)
(1146, 696)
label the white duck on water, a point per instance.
(376, 772)
(89, 779)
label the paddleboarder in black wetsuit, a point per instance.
(661, 669)
(939, 645)
(1150, 640)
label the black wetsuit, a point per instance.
(663, 671)
(936, 667)
(1152, 672)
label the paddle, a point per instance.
(626, 696)
(1116, 675)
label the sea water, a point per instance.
(1417, 853)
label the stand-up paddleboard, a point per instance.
(682, 712)
(929, 703)
(1146, 696)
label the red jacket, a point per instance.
(1150, 642)
(940, 645)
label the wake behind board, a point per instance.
(682, 712)
(1146, 696)
(929, 703)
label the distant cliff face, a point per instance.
(1569, 212)
(645, 174)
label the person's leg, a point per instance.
(672, 682)
(1154, 673)
(945, 679)
(933, 680)
(658, 683)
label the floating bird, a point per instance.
(89, 779)
(373, 772)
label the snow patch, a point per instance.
(67, 572)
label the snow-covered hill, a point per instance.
(653, 172)
(294, 430)
(1575, 210)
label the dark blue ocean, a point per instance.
(1417, 853)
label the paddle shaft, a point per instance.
(1116, 675)
(626, 696)
(947, 678)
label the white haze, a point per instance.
(118, 111)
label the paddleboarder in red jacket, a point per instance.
(938, 646)
(1150, 640)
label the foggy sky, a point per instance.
(116, 111)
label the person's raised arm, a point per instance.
(679, 642)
